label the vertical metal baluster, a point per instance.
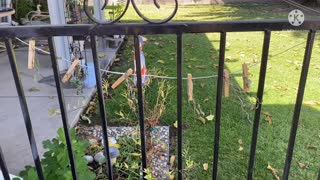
(297, 109)
(64, 115)
(101, 104)
(179, 103)
(3, 166)
(218, 104)
(140, 102)
(262, 77)
(24, 107)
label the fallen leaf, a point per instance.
(189, 67)
(205, 100)
(201, 119)
(210, 117)
(126, 166)
(205, 166)
(172, 158)
(135, 154)
(273, 171)
(240, 144)
(156, 43)
(202, 85)
(201, 67)
(268, 117)
(312, 103)
(34, 89)
(303, 165)
(100, 56)
(281, 88)
(85, 118)
(54, 112)
(161, 61)
(175, 124)
(311, 146)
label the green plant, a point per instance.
(55, 161)
(128, 163)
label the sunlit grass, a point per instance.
(280, 92)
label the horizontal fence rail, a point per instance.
(178, 29)
(142, 29)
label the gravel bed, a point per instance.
(160, 135)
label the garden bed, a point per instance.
(159, 156)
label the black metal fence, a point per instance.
(178, 29)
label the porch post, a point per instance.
(57, 17)
(98, 13)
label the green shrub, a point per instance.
(23, 7)
(55, 162)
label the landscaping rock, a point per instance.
(99, 157)
(89, 159)
(160, 134)
(112, 140)
(114, 152)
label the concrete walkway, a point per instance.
(43, 106)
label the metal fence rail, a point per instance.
(171, 28)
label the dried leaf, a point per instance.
(312, 103)
(240, 145)
(156, 43)
(205, 100)
(175, 124)
(189, 67)
(34, 89)
(268, 117)
(273, 171)
(86, 118)
(172, 159)
(205, 166)
(54, 112)
(303, 165)
(281, 88)
(210, 117)
(202, 85)
(100, 56)
(161, 61)
(311, 146)
(201, 119)
(135, 154)
(201, 67)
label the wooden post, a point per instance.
(67, 76)
(31, 54)
(122, 78)
(245, 76)
(190, 88)
(226, 77)
(7, 13)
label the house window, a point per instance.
(5, 4)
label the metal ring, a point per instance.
(157, 5)
(97, 21)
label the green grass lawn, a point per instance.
(280, 92)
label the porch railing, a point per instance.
(8, 33)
